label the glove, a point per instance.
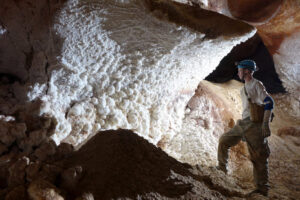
(266, 132)
(266, 129)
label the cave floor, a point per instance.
(122, 165)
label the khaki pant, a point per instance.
(258, 148)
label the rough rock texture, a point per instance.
(43, 190)
(254, 10)
(111, 64)
(281, 36)
(32, 171)
(128, 164)
(71, 68)
(17, 172)
(138, 73)
(86, 196)
(97, 65)
(26, 46)
(211, 112)
(278, 25)
(18, 192)
(279, 30)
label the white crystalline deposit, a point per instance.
(2, 30)
(197, 141)
(287, 64)
(204, 123)
(121, 67)
(201, 2)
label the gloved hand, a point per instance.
(266, 132)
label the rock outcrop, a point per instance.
(98, 65)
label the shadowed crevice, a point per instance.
(254, 49)
(212, 24)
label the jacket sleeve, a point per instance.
(269, 103)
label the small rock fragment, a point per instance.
(25, 145)
(2, 148)
(18, 130)
(50, 172)
(17, 172)
(5, 136)
(37, 137)
(43, 190)
(17, 193)
(32, 171)
(5, 159)
(64, 150)
(86, 196)
(46, 122)
(45, 150)
(71, 177)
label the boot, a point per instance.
(223, 168)
(258, 191)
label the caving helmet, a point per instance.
(247, 64)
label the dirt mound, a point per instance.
(119, 164)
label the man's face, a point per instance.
(242, 73)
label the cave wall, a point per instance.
(278, 25)
(213, 110)
(71, 68)
(98, 65)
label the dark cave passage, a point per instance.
(254, 49)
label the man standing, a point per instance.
(252, 128)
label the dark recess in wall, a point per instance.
(253, 49)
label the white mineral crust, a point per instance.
(121, 67)
(287, 64)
